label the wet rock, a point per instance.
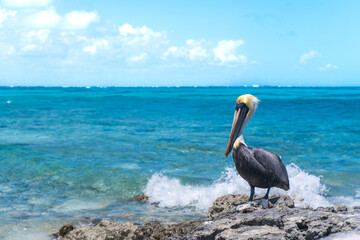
(141, 198)
(65, 229)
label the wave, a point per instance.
(306, 190)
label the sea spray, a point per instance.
(305, 188)
(169, 192)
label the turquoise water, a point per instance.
(74, 154)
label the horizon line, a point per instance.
(181, 86)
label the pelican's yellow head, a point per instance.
(245, 108)
(249, 100)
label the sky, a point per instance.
(179, 43)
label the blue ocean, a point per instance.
(73, 155)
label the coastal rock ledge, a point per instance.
(233, 217)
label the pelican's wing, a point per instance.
(273, 164)
(245, 156)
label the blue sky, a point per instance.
(179, 43)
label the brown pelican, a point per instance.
(258, 167)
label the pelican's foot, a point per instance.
(263, 202)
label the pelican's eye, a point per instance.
(238, 105)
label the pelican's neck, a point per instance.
(239, 140)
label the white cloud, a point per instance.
(50, 18)
(10, 50)
(79, 19)
(141, 36)
(309, 55)
(174, 51)
(5, 14)
(43, 19)
(328, 66)
(35, 40)
(46, 34)
(127, 29)
(192, 50)
(26, 3)
(137, 58)
(98, 44)
(7, 49)
(29, 47)
(41, 35)
(90, 49)
(195, 50)
(226, 52)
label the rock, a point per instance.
(341, 208)
(325, 209)
(256, 232)
(224, 203)
(248, 207)
(65, 229)
(105, 230)
(141, 198)
(276, 223)
(158, 231)
(148, 230)
(285, 201)
(233, 217)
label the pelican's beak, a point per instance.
(239, 118)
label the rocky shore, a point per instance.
(233, 217)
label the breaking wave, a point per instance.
(306, 190)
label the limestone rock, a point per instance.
(233, 217)
(141, 198)
(341, 208)
(66, 229)
(285, 201)
(105, 230)
(225, 203)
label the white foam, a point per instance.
(352, 235)
(79, 205)
(306, 189)
(169, 192)
(129, 166)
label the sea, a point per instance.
(77, 155)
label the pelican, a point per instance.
(257, 166)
